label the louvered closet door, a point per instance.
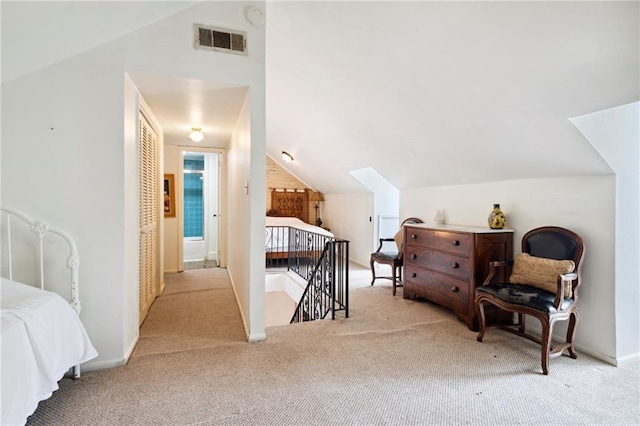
(149, 269)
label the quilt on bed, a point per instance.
(42, 337)
(277, 232)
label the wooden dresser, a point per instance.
(445, 264)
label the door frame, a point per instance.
(222, 203)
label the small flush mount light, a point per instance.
(196, 134)
(287, 157)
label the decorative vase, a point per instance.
(438, 217)
(496, 218)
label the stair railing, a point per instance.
(321, 260)
(327, 288)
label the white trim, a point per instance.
(257, 337)
(99, 365)
(595, 354)
(244, 318)
(627, 359)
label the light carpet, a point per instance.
(393, 362)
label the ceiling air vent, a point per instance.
(220, 40)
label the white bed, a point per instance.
(42, 335)
(277, 234)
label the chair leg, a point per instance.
(373, 270)
(546, 345)
(393, 278)
(521, 322)
(571, 332)
(481, 321)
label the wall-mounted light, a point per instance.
(287, 157)
(196, 134)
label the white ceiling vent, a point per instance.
(220, 40)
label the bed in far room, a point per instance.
(42, 335)
(287, 233)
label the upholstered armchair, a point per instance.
(544, 283)
(391, 257)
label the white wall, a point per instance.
(615, 133)
(171, 224)
(246, 216)
(131, 219)
(348, 218)
(67, 153)
(582, 204)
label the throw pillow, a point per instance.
(540, 272)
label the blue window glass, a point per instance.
(193, 198)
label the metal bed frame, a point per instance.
(41, 228)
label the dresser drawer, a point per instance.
(439, 261)
(451, 242)
(442, 289)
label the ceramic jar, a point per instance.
(496, 218)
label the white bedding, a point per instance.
(294, 222)
(277, 238)
(42, 337)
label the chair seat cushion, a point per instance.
(384, 256)
(524, 295)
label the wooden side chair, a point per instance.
(392, 257)
(544, 283)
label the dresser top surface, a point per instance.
(460, 228)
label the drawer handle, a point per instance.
(413, 256)
(456, 242)
(455, 265)
(414, 236)
(413, 275)
(455, 289)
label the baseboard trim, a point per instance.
(101, 365)
(257, 337)
(235, 294)
(627, 359)
(111, 363)
(131, 348)
(595, 354)
(364, 265)
(535, 329)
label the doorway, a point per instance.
(201, 203)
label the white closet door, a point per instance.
(149, 275)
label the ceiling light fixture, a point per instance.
(287, 157)
(196, 134)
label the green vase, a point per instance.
(496, 218)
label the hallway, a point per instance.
(197, 309)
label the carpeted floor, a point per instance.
(393, 362)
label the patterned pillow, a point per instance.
(540, 272)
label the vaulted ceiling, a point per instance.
(443, 93)
(426, 93)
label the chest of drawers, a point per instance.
(445, 264)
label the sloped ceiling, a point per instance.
(36, 34)
(180, 104)
(425, 93)
(443, 93)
